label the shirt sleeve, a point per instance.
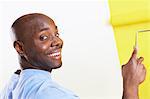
(6, 93)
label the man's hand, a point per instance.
(133, 74)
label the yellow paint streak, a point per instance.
(128, 17)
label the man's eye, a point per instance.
(42, 38)
(57, 35)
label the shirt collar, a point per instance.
(36, 72)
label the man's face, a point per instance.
(43, 45)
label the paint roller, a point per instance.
(136, 37)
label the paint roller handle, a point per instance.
(133, 73)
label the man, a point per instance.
(39, 47)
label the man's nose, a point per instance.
(57, 42)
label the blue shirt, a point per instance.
(35, 84)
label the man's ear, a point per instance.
(18, 45)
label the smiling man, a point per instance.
(39, 47)
(37, 42)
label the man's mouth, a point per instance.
(55, 55)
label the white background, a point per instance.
(90, 62)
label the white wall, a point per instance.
(90, 62)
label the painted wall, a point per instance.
(128, 17)
(90, 62)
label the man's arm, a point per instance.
(133, 74)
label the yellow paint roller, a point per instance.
(136, 37)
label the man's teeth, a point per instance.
(55, 54)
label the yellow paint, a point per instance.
(128, 17)
(124, 12)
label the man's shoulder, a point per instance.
(29, 86)
(54, 92)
